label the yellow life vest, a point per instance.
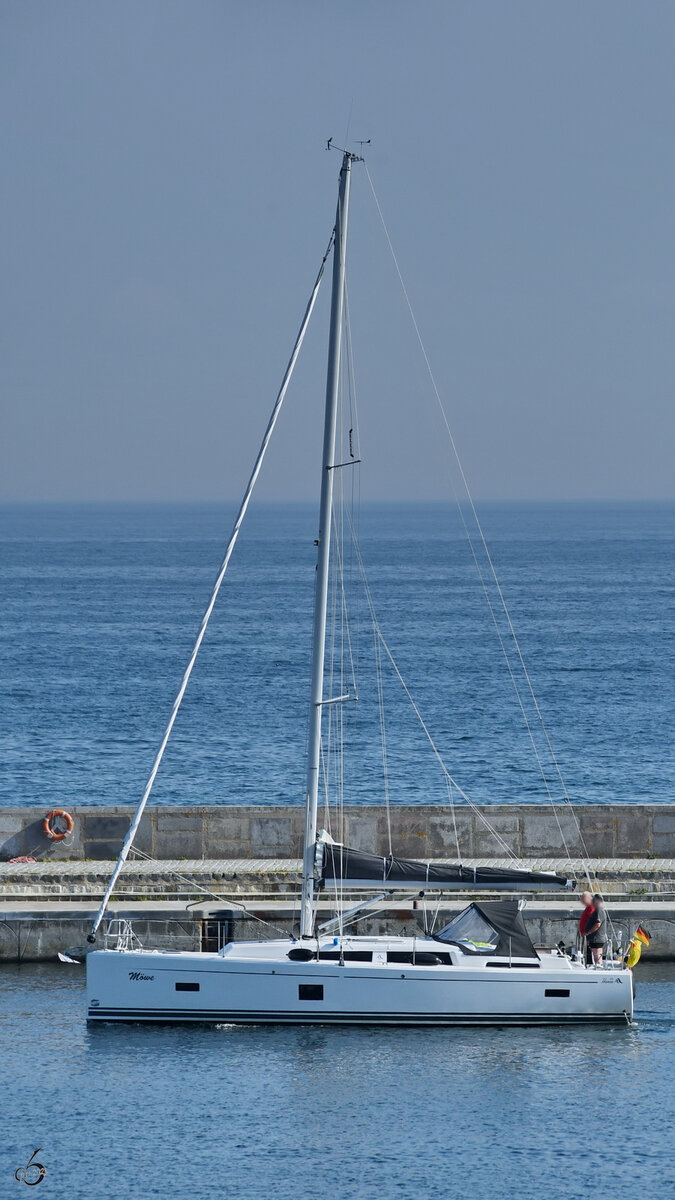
(634, 952)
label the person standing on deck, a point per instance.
(587, 901)
(596, 930)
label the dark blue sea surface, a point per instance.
(99, 607)
(132, 1112)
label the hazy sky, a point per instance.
(166, 199)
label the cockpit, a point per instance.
(496, 928)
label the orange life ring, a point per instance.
(55, 832)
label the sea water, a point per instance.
(99, 608)
(237, 1113)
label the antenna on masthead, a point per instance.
(353, 157)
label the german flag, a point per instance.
(643, 936)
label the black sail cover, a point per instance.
(358, 869)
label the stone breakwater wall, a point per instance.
(40, 933)
(419, 831)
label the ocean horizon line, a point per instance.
(399, 502)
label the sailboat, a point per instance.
(481, 968)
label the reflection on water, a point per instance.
(241, 1113)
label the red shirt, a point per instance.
(583, 919)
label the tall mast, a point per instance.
(323, 555)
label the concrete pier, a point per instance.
(417, 831)
(38, 931)
(243, 863)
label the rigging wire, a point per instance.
(355, 454)
(330, 770)
(340, 651)
(493, 573)
(380, 642)
(354, 449)
(451, 802)
(383, 734)
(416, 710)
(133, 828)
(207, 892)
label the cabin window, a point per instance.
(347, 955)
(556, 991)
(522, 966)
(185, 986)
(310, 991)
(419, 958)
(304, 954)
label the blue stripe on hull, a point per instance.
(212, 1016)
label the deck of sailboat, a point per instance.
(395, 952)
(381, 952)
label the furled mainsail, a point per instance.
(342, 865)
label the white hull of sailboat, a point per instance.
(268, 988)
